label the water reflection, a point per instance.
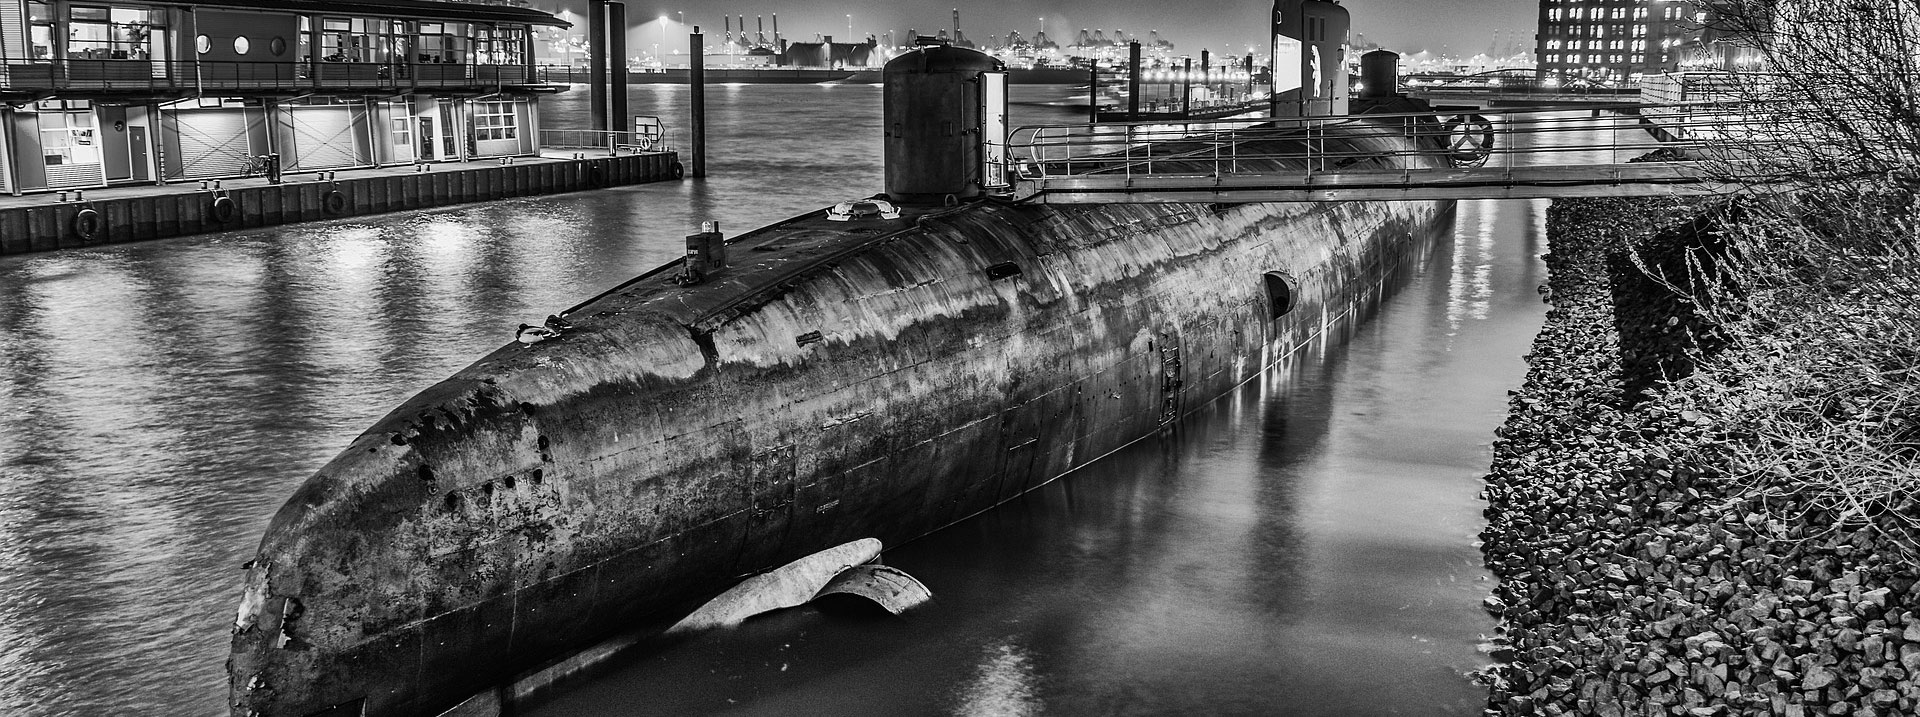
(1303, 546)
(159, 401)
(1003, 685)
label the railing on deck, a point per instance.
(1483, 147)
(623, 141)
(191, 75)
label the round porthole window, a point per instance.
(277, 46)
(241, 45)
(203, 44)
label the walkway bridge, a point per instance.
(1492, 154)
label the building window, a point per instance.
(494, 121)
(358, 40)
(40, 16)
(67, 137)
(443, 43)
(500, 46)
(110, 33)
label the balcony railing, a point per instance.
(189, 76)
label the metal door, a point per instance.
(426, 139)
(137, 149)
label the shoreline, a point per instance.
(1636, 577)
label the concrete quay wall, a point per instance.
(152, 214)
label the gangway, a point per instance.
(1483, 154)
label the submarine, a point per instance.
(878, 369)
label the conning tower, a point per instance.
(1380, 74)
(1309, 58)
(946, 125)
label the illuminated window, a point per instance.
(40, 14)
(112, 33)
(67, 135)
(504, 46)
(444, 42)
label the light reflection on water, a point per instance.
(159, 401)
(1303, 547)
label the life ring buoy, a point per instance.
(335, 202)
(86, 224)
(678, 170)
(222, 209)
(1469, 139)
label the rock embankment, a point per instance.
(1638, 574)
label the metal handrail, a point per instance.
(612, 141)
(1301, 146)
(187, 75)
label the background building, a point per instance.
(103, 93)
(1613, 40)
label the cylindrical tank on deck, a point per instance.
(1380, 74)
(945, 118)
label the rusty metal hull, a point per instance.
(840, 380)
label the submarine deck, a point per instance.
(759, 263)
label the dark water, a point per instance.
(1303, 547)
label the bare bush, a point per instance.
(1820, 400)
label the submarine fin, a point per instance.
(790, 585)
(888, 587)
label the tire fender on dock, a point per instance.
(87, 224)
(222, 209)
(334, 203)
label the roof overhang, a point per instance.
(401, 9)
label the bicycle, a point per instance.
(256, 165)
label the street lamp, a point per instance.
(663, 41)
(849, 28)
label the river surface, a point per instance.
(1304, 546)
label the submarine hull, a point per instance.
(838, 380)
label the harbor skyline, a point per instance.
(1458, 26)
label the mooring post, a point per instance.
(1133, 81)
(1206, 76)
(597, 64)
(616, 41)
(697, 76)
(1186, 89)
(1093, 93)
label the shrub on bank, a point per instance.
(1701, 502)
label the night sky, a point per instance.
(1462, 26)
